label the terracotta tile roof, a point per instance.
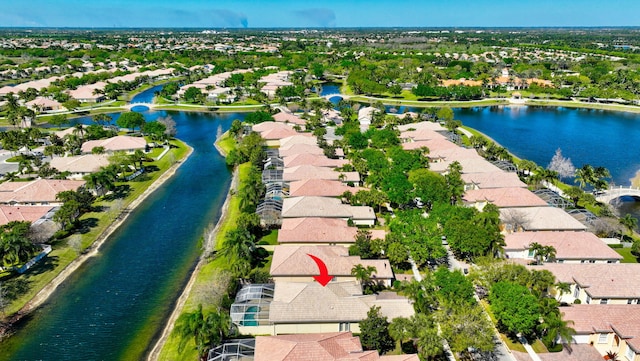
(337, 302)
(543, 219)
(300, 138)
(295, 261)
(22, 213)
(422, 134)
(303, 172)
(452, 154)
(285, 117)
(316, 230)
(313, 159)
(336, 346)
(431, 144)
(421, 125)
(37, 191)
(324, 207)
(274, 130)
(87, 163)
(464, 82)
(300, 149)
(621, 319)
(496, 179)
(117, 143)
(569, 245)
(599, 280)
(469, 165)
(504, 197)
(320, 187)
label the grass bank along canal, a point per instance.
(117, 302)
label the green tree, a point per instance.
(629, 222)
(205, 329)
(374, 332)
(363, 274)
(130, 120)
(445, 114)
(515, 308)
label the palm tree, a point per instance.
(206, 329)
(584, 175)
(629, 222)
(429, 343)
(562, 288)
(238, 248)
(363, 274)
(401, 329)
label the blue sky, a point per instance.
(327, 13)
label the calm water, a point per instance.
(114, 306)
(596, 137)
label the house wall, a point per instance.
(273, 143)
(612, 343)
(293, 328)
(257, 330)
(586, 299)
(364, 222)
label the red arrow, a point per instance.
(324, 278)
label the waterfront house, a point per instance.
(272, 132)
(571, 247)
(289, 118)
(320, 187)
(320, 231)
(293, 264)
(296, 149)
(120, 143)
(37, 192)
(303, 172)
(333, 346)
(81, 165)
(502, 198)
(300, 138)
(313, 160)
(495, 179)
(31, 214)
(518, 219)
(325, 207)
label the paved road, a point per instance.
(501, 353)
(4, 166)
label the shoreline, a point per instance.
(635, 180)
(208, 247)
(91, 251)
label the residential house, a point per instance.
(571, 247)
(293, 264)
(300, 149)
(24, 213)
(365, 117)
(502, 198)
(285, 117)
(518, 219)
(325, 207)
(300, 138)
(42, 104)
(598, 283)
(118, 143)
(320, 231)
(303, 172)
(469, 165)
(614, 328)
(495, 179)
(333, 346)
(272, 132)
(320, 187)
(37, 192)
(81, 165)
(300, 308)
(424, 125)
(313, 160)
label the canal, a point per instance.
(116, 303)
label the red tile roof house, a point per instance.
(571, 247)
(320, 231)
(309, 307)
(420, 135)
(430, 144)
(37, 192)
(502, 198)
(284, 117)
(496, 179)
(598, 283)
(325, 207)
(334, 346)
(293, 264)
(114, 144)
(452, 154)
(300, 138)
(23, 213)
(548, 218)
(272, 132)
(320, 187)
(296, 149)
(469, 165)
(80, 165)
(314, 160)
(303, 172)
(607, 328)
(420, 126)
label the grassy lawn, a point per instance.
(226, 143)
(626, 253)
(23, 288)
(271, 238)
